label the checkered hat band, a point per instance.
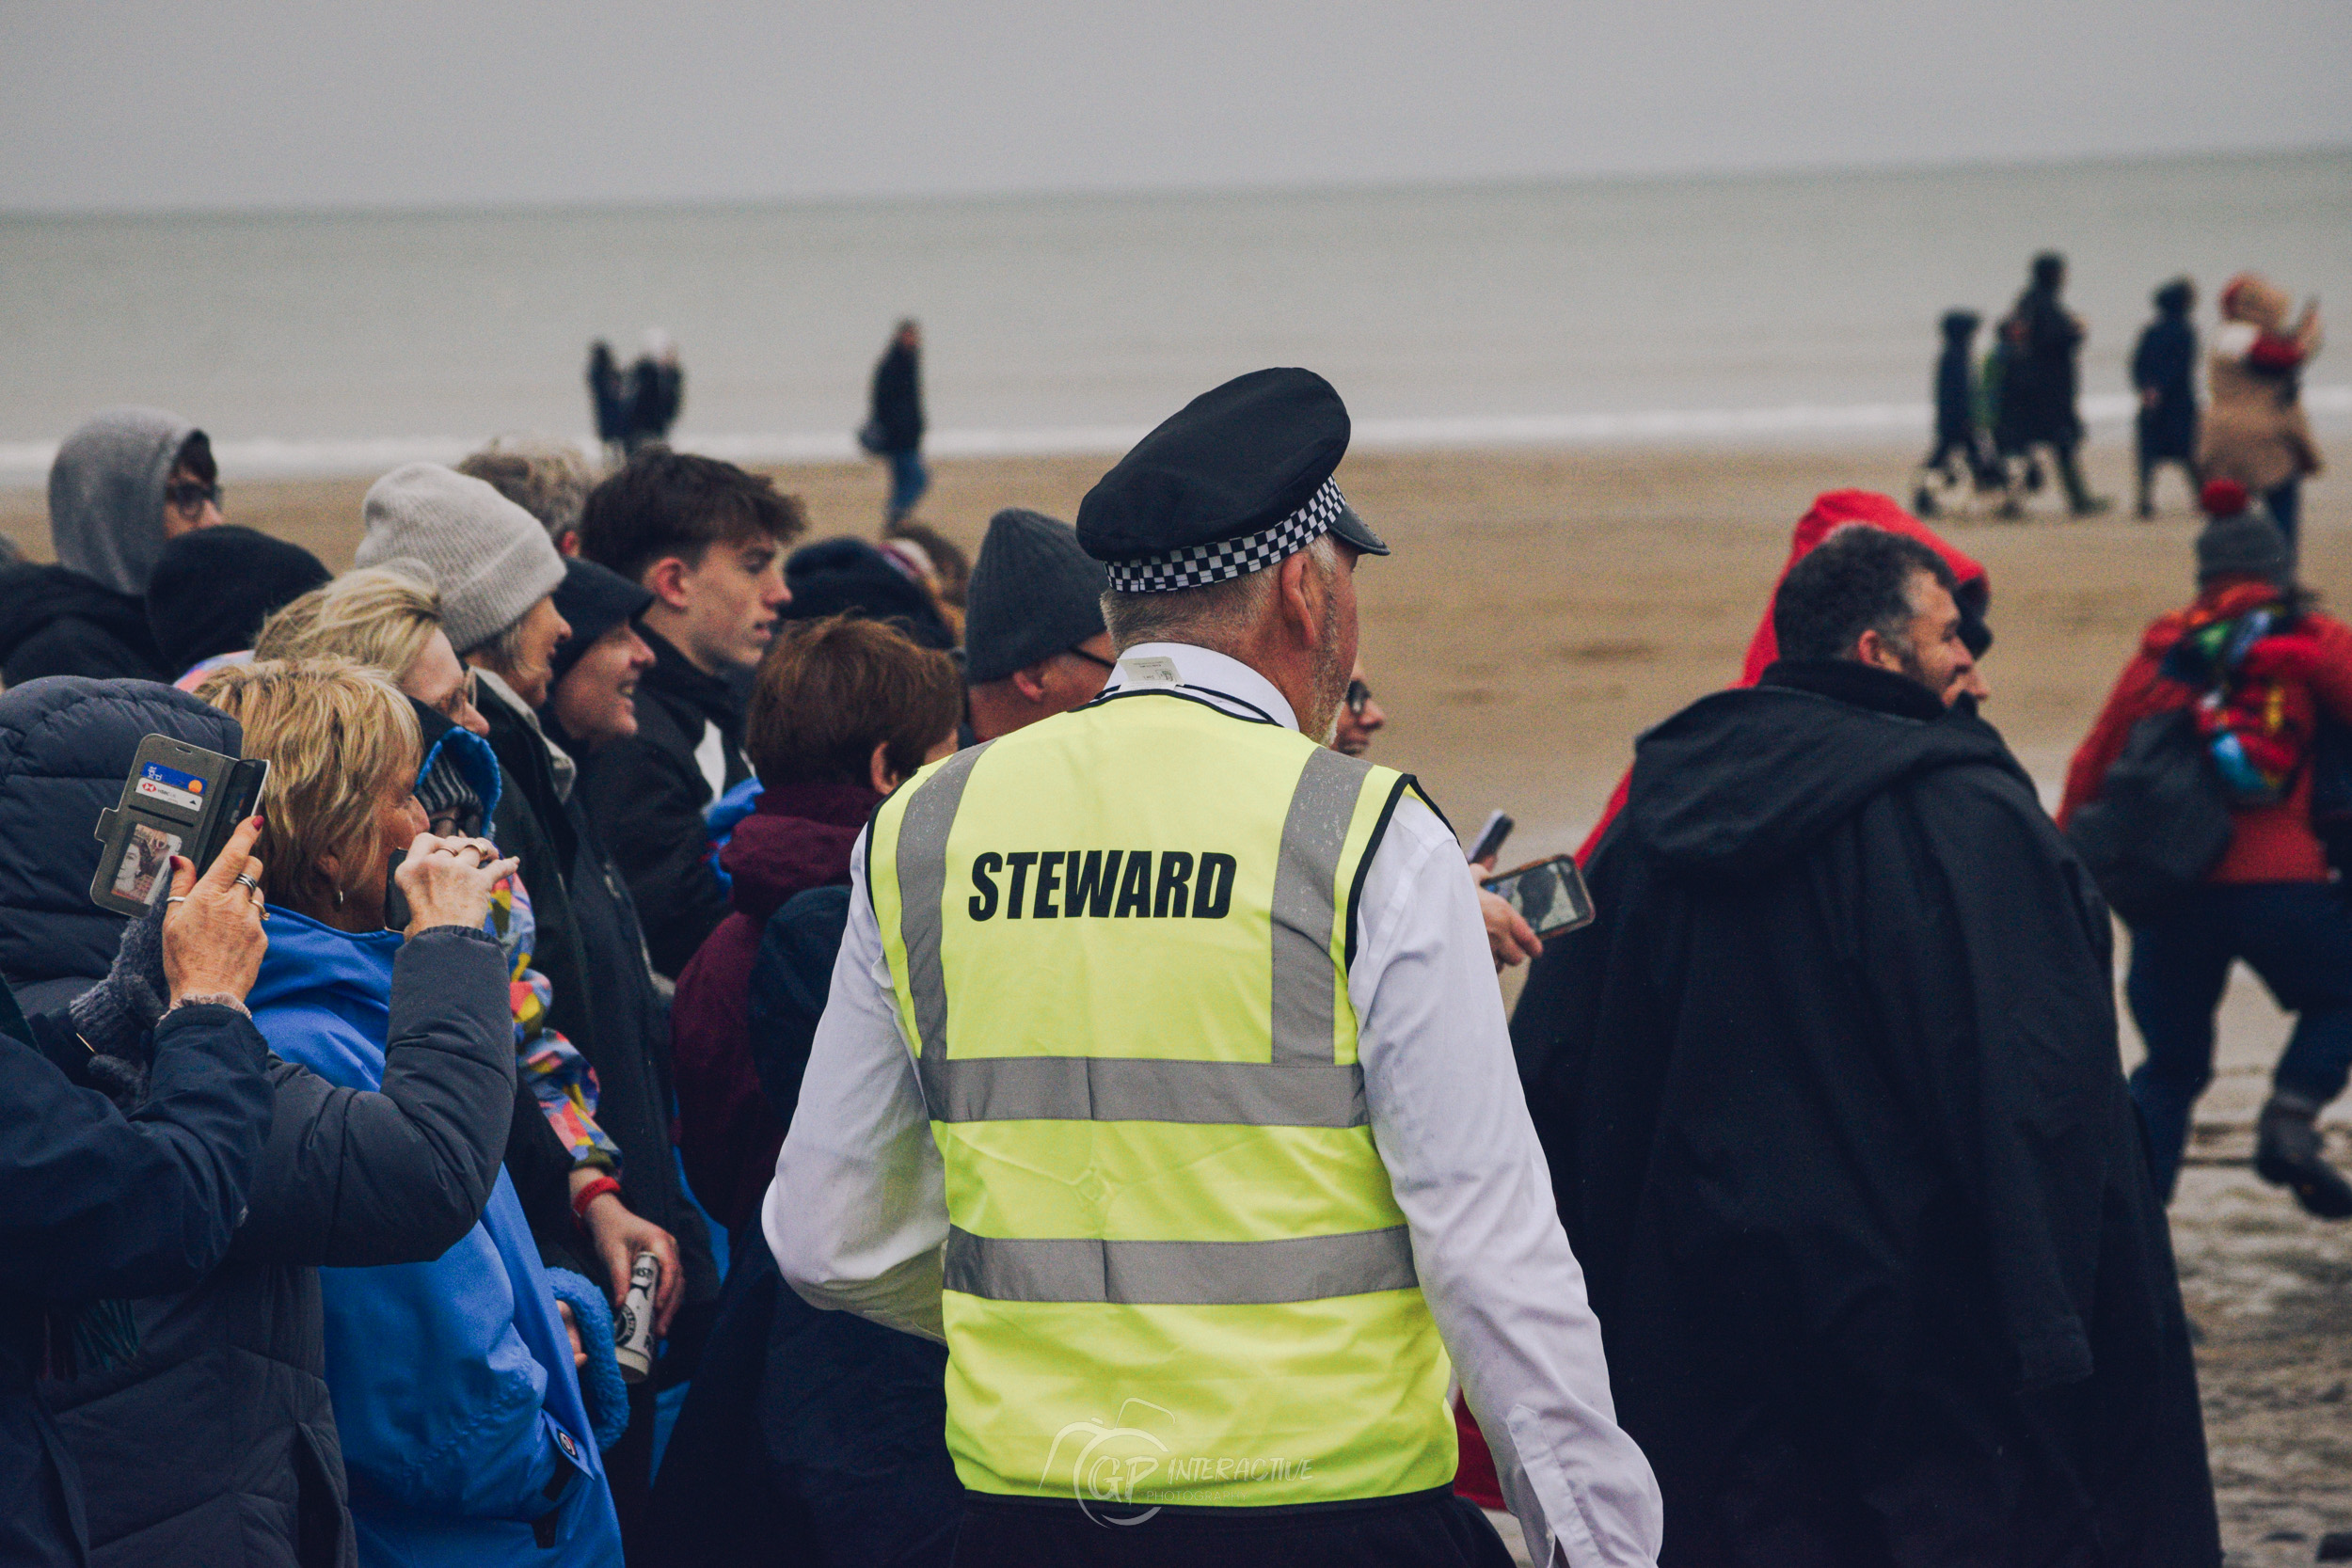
(1199, 565)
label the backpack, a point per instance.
(2160, 820)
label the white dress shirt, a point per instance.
(857, 1214)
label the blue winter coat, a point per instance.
(452, 1380)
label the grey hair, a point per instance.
(548, 478)
(1218, 617)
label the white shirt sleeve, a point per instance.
(1453, 1129)
(858, 1211)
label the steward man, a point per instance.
(1164, 1077)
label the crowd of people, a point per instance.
(880, 947)
(1997, 418)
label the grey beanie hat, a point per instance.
(1034, 592)
(106, 494)
(491, 558)
(2243, 545)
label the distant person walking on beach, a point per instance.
(656, 389)
(893, 425)
(607, 396)
(2164, 374)
(2255, 431)
(1958, 456)
(2042, 342)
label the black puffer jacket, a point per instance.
(93, 1202)
(66, 745)
(53, 622)
(214, 1439)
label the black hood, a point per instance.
(35, 597)
(66, 745)
(1741, 781)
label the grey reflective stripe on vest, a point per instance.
(1181, 1273)
(922, 857)
(1129, 1088)
(1322, 806)
(1305, 1087)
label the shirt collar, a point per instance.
(1204, 672)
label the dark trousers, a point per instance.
(2284, 501)
(909, 479)
(1424, 1530)
(2148, 467)
(2297, 936)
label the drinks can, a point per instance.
(632, 1321)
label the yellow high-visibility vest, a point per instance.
(1175, 1272)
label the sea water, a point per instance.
(1705, 308)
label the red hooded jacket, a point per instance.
(2267, 844)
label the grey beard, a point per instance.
(1330, 687)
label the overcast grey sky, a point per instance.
(161, 104)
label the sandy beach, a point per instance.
(1542, 607)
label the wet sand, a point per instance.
(1542, 607)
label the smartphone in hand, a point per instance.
(1550, 894)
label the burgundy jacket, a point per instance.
(798, 837)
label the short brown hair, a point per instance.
(663, 503)
(339, 736)
(832, 690)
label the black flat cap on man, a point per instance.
(1230, 483)
(1034, 592)
(593, 600)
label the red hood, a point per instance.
(1833, 510)
(797, 837)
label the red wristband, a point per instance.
(589, 1195)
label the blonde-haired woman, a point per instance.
(453, 1384)
(387, 617)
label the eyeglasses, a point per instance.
(1092, 658)
(191, 495)
(1358, 699)
(464, 697)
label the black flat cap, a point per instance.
(1034, 593)
(1230, 483)
(593, 600)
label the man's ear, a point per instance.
(1870, 648)
(567, 542)
(878, 770)
(666, 580)
(1298, 593)
(1029, 680)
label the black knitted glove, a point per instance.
(115, 1016)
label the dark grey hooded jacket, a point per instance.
(87, 615)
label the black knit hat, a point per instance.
(593, 600)
(849, 577)
(212, 590)
(2243, 545)
(1034, 593)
